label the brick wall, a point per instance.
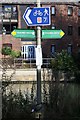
(61, 20)
(16, 42)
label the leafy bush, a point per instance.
(6, 51)
(15, 54)
(10, 52)
(63, 61)
(16, 107)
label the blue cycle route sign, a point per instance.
(37, 16)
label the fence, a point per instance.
(22, 63)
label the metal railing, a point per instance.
(22, 63)
(30, 63)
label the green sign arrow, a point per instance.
(50, 34)
(19, 33)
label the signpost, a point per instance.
(19, 33)
(50, 34)
(30, 34)
(37, 16)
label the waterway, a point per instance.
(61, 100)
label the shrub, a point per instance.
(15, 54)
(6, 51)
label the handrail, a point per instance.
(23, 63)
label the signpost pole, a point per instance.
(38, 66)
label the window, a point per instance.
(14, 11)
(28, 51)
(79, 30)
(70, 11)
(14, 26)
(7, 11)
(7, 45)
(10, 11)
(7, 8)
(53, 11)
(6, 28)
(79, 12)
(69, 49)
(52, 49)
(70, 30)
(9, 27)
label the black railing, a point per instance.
(23, 63)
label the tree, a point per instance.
(63, 62)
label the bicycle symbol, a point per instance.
(37, 12)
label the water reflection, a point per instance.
(64, 102)
(61, 100)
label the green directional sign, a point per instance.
(19, 33)
(50, 34)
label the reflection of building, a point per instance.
(65, 16)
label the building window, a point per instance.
(79, 12)
(70, 30)
(6, 29)
(69, 50)
(10, 11)
(79, 30)
(70, 11)
(13, 26)
(28, 51)
(14, 12)
(7, 11)
(9, 27)
(53, 50)
(7, 45)
(53, 11)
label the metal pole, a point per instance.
(38, 67)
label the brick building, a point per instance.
(65, 16)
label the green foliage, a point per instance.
(63, 61)
(15, 54)
(64, 102)
(10, 52)
(16, 106)
(6, 51)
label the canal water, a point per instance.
(61, 101)
(64, 102)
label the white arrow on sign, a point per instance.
(26, 15)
